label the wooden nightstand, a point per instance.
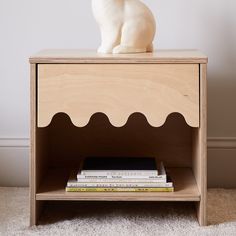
(70, 87)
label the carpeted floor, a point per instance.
(113, 219)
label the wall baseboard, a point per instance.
(213, 142)
(14, 159)
(221, 143)
(221, 162)
(14, 142)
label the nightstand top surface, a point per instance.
(89, 56)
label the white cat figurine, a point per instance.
(127, 26)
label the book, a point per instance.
(130, 167)
(157, 177)
(88, 179)
(72, 189)
(140, 184)
(116, 183)
(127, 178)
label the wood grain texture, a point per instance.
(32, 144)
(200, 149)
(38, 151)
(202, 208)
(118, 85)
(91, 57)
(118, 91)
(53, 188)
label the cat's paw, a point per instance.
(104, 50)
(121, 49)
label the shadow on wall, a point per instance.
(221, 71)
(221, 95)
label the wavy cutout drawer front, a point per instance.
(80, 90)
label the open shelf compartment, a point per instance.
(61, 147)
(53, 188)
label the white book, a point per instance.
(74, 184)
(162, 177)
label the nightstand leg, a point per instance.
(35, 212)
(200, 149)
(201, 212)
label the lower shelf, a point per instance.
(53, 189)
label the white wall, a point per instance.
(27, 26)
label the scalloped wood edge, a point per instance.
(40, 143)
(116, 123)
(82, 90)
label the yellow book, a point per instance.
(71, 189)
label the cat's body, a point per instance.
(127, 26)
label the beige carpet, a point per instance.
(113, 219)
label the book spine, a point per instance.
(120, 185)
(158, 177)
(119, 173)
(70, 189)
(108, 180)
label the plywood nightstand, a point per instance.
(74, 93)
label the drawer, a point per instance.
(118, 90)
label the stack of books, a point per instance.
(131, 174)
